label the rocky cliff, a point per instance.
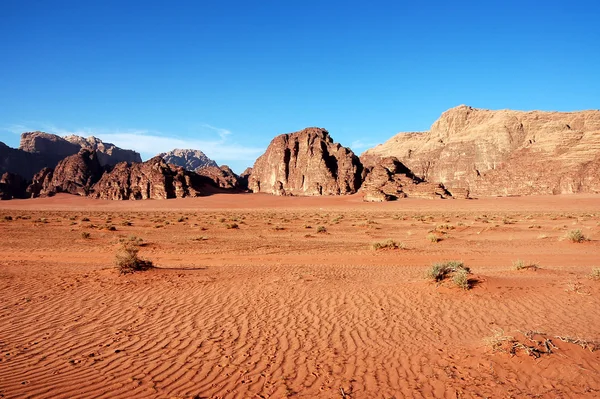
(38, 150)
(108, 154)
(307, 162)
(389, 180)
(188, 159)
(75, 174)
(222, 176)
(490, 153)
(153, 179)
(12, 186)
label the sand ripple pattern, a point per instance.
(251, 331)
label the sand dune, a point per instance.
(274, 309)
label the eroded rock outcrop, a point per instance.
(389, 180)
(75, 174)
(153, 179)
(20, 162)
(307, 162)
(489, 153)
(39, 150)
(12, 186)
(108, 153)
(188, 159)
(222, 176)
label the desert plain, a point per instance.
(270, 297)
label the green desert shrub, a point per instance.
(454, 269)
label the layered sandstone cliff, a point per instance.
(307, 162)
(502, 152)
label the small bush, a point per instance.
(85, 235)
(128, 261)
(576, 236)
(111, 228)
(595, 273)
(434, 238)
(461, 279)
(456, 269)
(321, 229)
(388, 244)
(8, 218)
(85, 219)
(232, 226)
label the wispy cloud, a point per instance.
(217, 143)
(362, 145)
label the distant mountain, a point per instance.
(38, 150)
(188, 159)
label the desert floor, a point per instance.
(276, 307)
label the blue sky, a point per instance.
(225, 77)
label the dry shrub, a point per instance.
(455, 269)
(388, 244)
(128, 261)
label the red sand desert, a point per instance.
(295, 302)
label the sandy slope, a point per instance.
(274, 309)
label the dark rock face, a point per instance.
(243, 179)
(153, 179)
(390, 179)
(41, 183)
(20, 162)
(222, 176)
(307, 162)
(188, 159)
(12, 186)
(39, 150)
(491, 153)
(74, 175)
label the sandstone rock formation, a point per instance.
(75, 174)
(222, 176)
(108, 154)
(389, 180)
(188, 159)
(41, 183)
(38, 150)
(490, 153)
(12, 186)
(153, 179)
(307, 162)
(243, 179)
(20, 162)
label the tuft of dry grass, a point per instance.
(433, 238)
(595, 275)
(128, 261)
(520, 265)
(576, 236)
(388, 244)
